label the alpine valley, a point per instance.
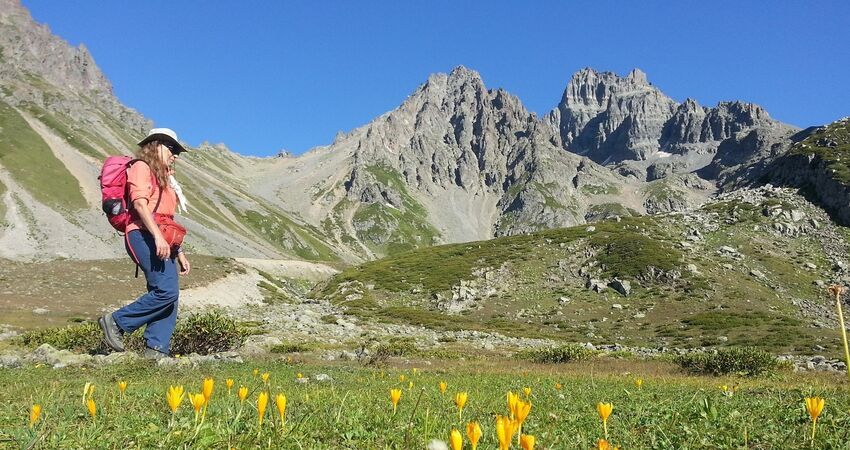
(620, 216)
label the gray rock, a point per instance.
(46, 354)
(621, 286)
(10, 361)
(322, 378)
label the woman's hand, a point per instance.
(185, 267)
(163, 250)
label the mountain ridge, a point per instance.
(455, 161)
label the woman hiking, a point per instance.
(153, 195)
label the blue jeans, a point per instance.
(158, 308)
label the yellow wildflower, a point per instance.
(395, 395)
(208, 389)
(122, 386)
(91, 407)
(197, 401)
(265, 377)
(174, 397)
(280, 402)
(460, 401)
(504, 431)
(443, 386)
(814, 406)
(526, 442)
(242, 393)
(527, 391)
(35, 413)
(229, 383)
(473, 432)
(456, 440)
(262, 401)
(639, 383)
(604, 410)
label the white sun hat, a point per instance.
(163, 134)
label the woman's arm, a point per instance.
(163, 250)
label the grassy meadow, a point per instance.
(354, 411)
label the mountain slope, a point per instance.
(749, 268)
(59, 120)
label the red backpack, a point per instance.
(113, 189)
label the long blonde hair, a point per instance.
(149, 153)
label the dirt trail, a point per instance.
(236, 290)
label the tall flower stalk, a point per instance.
(836, 291)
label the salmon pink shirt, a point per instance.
(141, 184)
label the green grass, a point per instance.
(76, 136)
(32, 164)
(837, 158)
(393, 230)
(354, 411)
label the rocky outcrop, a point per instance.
(30, 53)
(818, 166)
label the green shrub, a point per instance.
(201, 333)
(291, 347)
(556, 355)
(205, 333)
(747, 361)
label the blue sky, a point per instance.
(262, 76)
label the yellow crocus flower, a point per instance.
(602, 444)
(526, 442)
(91, 407)
(460, 401)
(456, 440)
(504, 431)
(299, 375)
(604, 410)
(35, 413)
(443, 387)
(395, 395)
(512, 399)
(229, 383)
(256, 371)
(558, 386)
(265, 377)
(473, 432)
(88, 391)
(401, 378)
(527, 391)
(262, 401)
(242, 393)
(174, 397)
(280, 402)
(639, 383)
(814, 406)
(122, 386)
(197, 401)
(208, 389)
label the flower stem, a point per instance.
(843, 331)
(814, 424)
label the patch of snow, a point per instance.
(664, 154)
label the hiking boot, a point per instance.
(154, 355)
(111, 333)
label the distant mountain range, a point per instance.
(454, 162)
